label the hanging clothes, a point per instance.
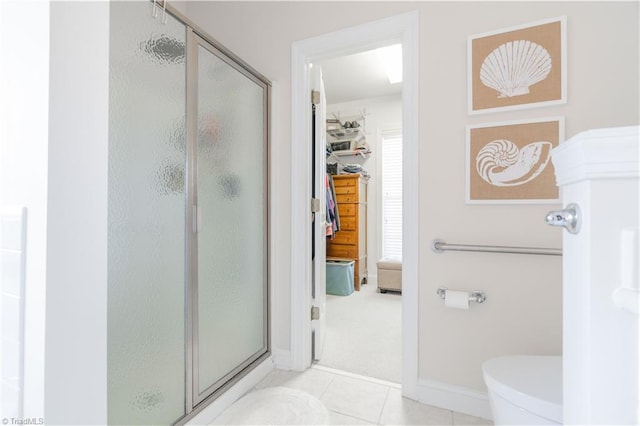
(333, 219)
(335, 204)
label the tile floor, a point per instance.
(357, 400)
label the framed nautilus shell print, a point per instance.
(518, 67)
(510, 162)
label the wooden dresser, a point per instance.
(350, 242)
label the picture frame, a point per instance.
(518, 67)
(510, 162)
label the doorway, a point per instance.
(402, 28)
(363, 108)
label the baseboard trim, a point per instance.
(455, 398)
(281, 359)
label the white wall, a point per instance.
(523, 310)
(382, 114)
(24, 85)
(54, 83)
(76, 332)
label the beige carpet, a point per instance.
(364, 334)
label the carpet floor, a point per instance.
(364, 334)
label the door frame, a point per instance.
(403, 28)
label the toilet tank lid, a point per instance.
(533, 383)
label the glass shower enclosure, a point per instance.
(187, 221)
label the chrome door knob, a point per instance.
(568, 218)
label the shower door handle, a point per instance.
(569, 218)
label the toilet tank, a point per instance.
(598, 171)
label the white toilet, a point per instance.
(525, 390)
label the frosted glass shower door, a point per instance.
(230, 326)
(187, 217)
(146, 216)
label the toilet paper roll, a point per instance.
(456, 299)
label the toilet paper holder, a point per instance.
(474, 296)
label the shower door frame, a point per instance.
(184, 279)
(195, 400)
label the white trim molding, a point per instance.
(281, 359)
(300, 357)
(403, 28)
(455, 398)
(598, 154)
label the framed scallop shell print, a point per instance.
(510, 162)
(518, 67)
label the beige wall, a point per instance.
(523, 310)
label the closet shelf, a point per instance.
(365, 154)
(345, 133)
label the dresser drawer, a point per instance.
(345, 237)
(347, 223)
(338, 250)
(345, 190)
(346, 210)
(344, 180)
(347, 198)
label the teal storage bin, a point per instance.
(340, 277)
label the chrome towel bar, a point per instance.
(440, 246)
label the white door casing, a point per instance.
(403, 28)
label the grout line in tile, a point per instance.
(333, 373)
(357, 376)
(384, 403)
(350, 415)
(327, 387)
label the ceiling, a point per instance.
(355, 77)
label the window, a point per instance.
(392, 196)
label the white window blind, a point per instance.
(392, 196)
